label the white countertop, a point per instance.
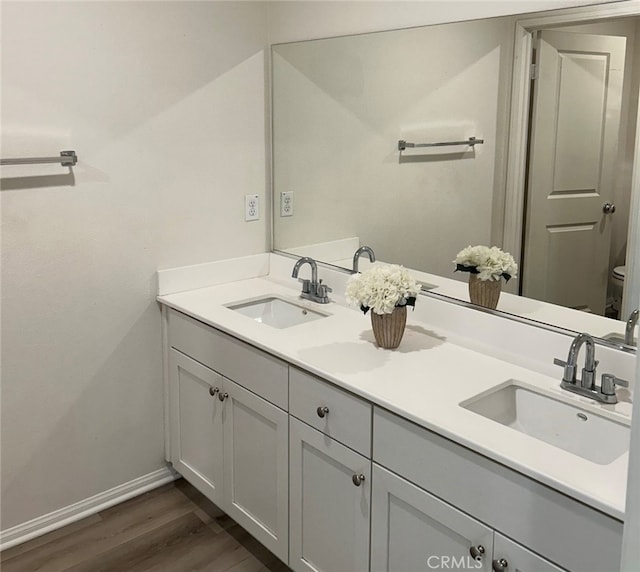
(424, 380)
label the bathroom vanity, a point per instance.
(338, 455)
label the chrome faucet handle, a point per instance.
(609, 382)
(323, 292)
(306, 285)
(569, 375)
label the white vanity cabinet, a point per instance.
(564, 532)
(413, 530)
(229, 442)
(508, 556)
(256, 484)
(330, 482)
(330, 503)
(196, 424)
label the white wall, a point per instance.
(165, 105)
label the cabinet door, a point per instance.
(329, 512)
(256, 478)
(196, 424)
(413, 530)
(511, 557)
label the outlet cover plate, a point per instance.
(286, 203)
(251, 207)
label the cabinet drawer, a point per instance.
(548, 522)
(345, 417)
(251, 368)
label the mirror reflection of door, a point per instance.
(574, 167)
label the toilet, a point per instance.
(617, 287)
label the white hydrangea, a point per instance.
(382, 288)
(491, 263)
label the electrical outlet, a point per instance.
(251, 207)
(286, 203)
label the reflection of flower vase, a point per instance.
(388, 329)
(484, 292)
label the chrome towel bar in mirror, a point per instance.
(66, 159)
(402, 144)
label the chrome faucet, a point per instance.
(360, 252)
(313, 289)
(586, 386)
(631, 324)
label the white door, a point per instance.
(329, 503)
(413, 530)
(256, 476)
(511, 557)
(196, 424)
(573, 147)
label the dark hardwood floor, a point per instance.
(170, 529)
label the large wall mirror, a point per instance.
(340, 180)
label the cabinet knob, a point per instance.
(322, 411)
(500, 565)
(358, 479)
(477, 552)
(213, 391)
(223, 396)
(608, 208)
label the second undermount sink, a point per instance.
(573, 429)
(276, 312)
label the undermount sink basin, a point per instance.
(575, 430)
(276, 312)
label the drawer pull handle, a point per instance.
(500, 565)
(213, 391)
(357, 480)
(477, 552)
(222, 396)
(322, 411)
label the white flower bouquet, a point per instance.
(488, 263)
(382, 288)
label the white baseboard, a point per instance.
(77, 511)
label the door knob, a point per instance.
(500, 565)
(477, 552)
(322, 411)
(358, 480)
(608, 208)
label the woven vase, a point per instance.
(388, 329)
(484, 292)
